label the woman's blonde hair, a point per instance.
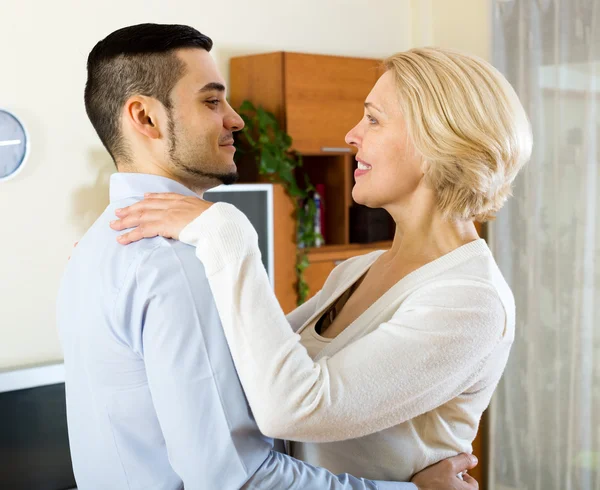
(468, 125)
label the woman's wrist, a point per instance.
(221, 235)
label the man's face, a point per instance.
(201, 126)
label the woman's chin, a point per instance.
(370, 200)
(359, 196)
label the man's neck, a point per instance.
(196, 187)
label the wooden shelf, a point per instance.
(335, 173)
(342, 252)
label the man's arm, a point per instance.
(283, 472)
(299, 476)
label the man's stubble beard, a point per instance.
(198, 178)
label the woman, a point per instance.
(395, 359)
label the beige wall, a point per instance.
(43, 47)
(458, 24)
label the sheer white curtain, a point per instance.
(546, 413)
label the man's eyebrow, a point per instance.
(212, 86)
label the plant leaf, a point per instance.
(247, 106)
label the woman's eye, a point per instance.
(371, 119)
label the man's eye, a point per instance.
(213, 102)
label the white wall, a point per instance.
(43, 50)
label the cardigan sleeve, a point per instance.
(431, 350)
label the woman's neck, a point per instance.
(423, 234)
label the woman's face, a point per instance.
(388, 171)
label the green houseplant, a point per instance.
(270, 146)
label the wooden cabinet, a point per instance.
(313, 83)
(316, 98)
(317, 273)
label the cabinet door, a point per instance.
(317, 273)
(324, 98)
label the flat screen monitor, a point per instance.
(34, 442)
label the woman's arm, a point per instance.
(427, 354)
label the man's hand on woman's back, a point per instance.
(444, 475)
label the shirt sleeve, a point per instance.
(281, 471)
(429, 352)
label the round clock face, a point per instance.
(14, 145)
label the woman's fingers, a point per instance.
(153, 224)
(137, 234)
(157, 214)
(151, 203)
(164, 195)
(137, 218)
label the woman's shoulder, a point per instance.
(475, 286)
(471, 264)
(483, 270)
(478, 270)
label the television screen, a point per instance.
(34, 442)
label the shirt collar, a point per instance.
(124, 185)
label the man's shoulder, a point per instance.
(156, 250)
(100, 256)
(168, 254)
(170, 264)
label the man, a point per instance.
(153, 398)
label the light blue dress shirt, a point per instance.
(153, 398)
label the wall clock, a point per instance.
(14, 145)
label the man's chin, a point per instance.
(224, 177)
(228, 178)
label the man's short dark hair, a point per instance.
(135, 60)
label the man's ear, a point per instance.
(144, 115)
